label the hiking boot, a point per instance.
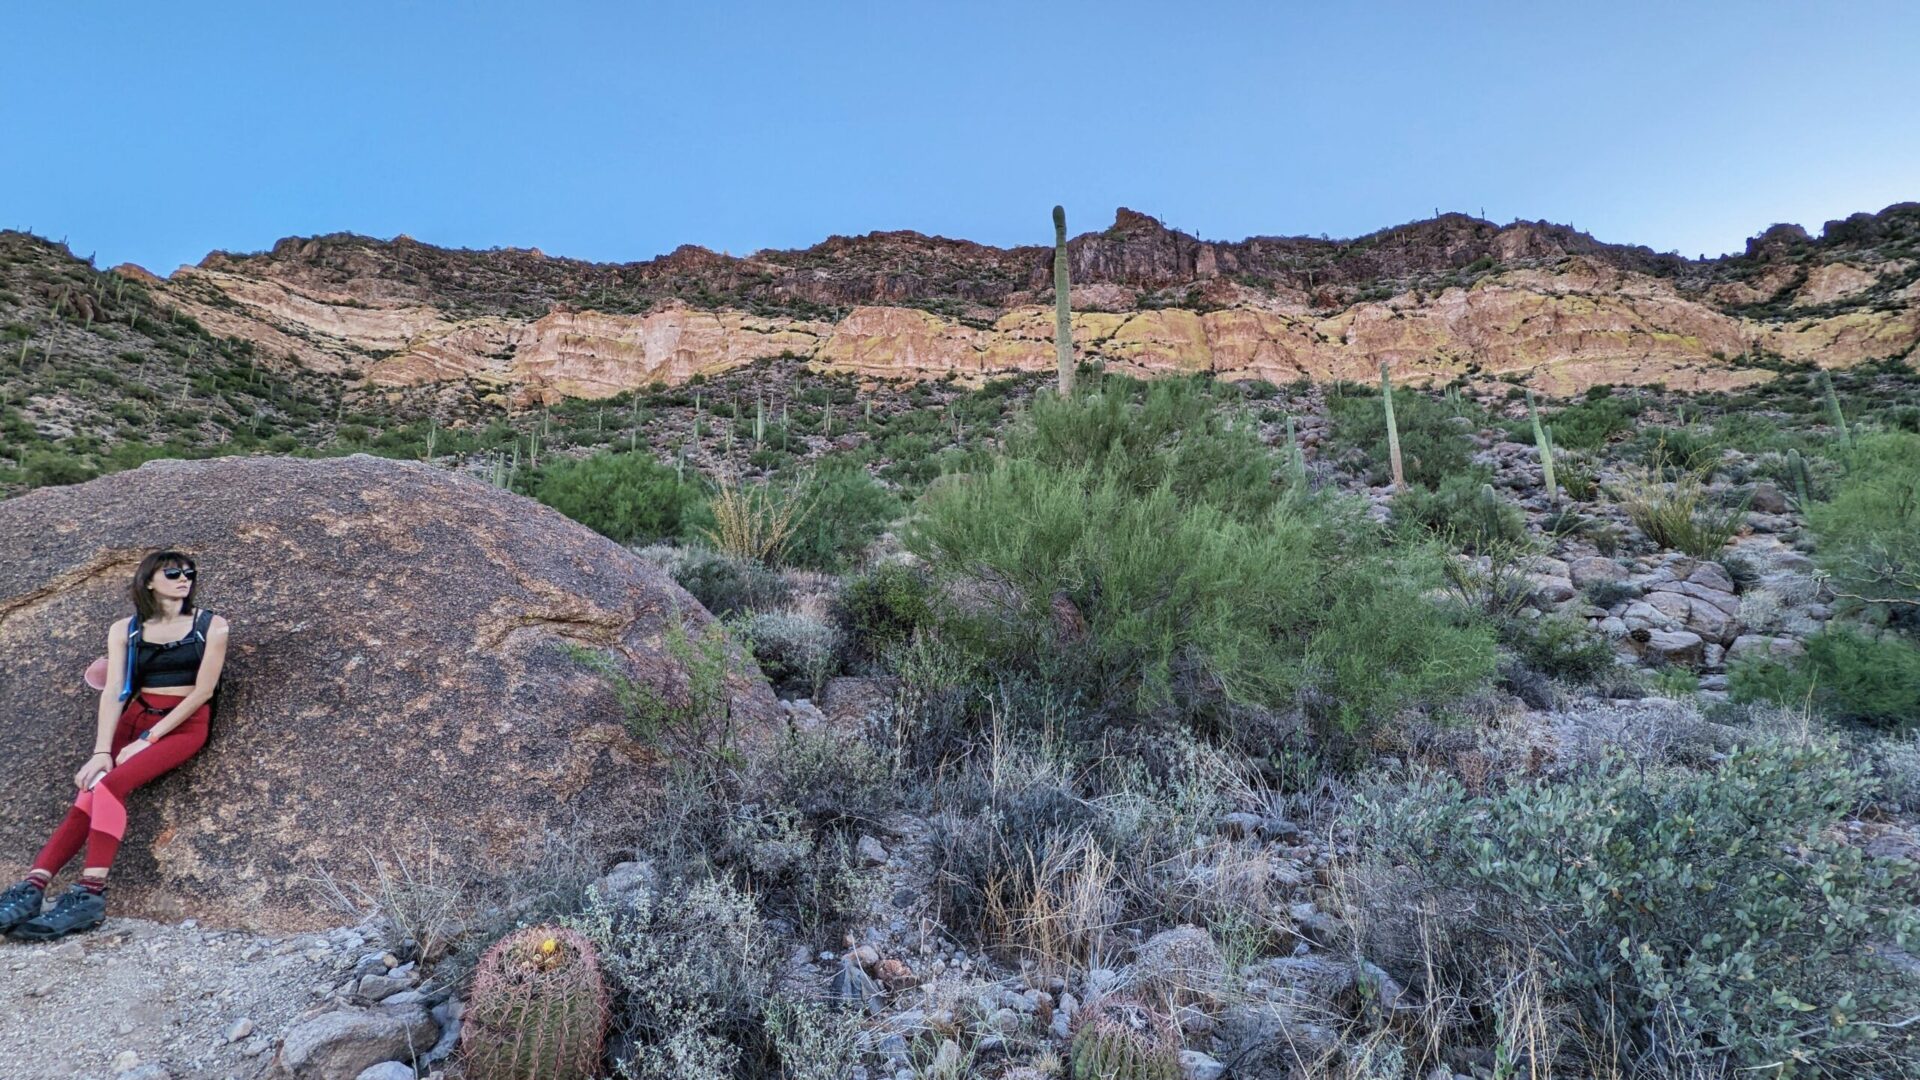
(18, 904)
(76, 911)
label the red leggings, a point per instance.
(99, 816)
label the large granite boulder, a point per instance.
(397, 682)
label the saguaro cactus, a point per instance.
(1545, 444)
(539, 1009)
(1797, 467)
(1393, 430)
(1833, 411)
(1062, 296)
(1296, 457)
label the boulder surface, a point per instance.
(398, 685)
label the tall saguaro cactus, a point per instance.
(1393, 430)
(1062, 314)
(1541, 440)
(1833, 411)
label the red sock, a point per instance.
(95, 885)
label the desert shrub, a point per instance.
(693, 970)
(794, 652)
(844, 510)
(1578, 474)
(880, 609)
(1167, 604)
(1674, 450)
(1464, 510)
(1845, 674)
(1589, 424)
(754, 521)
(49, 468)
(1695, 922)
(1605, 594)
(1560, 647)
(1678, 513)
(626, 497)
(1870, 531)
(1433, 444)
(1147, 434)
(726, 585)
(692, 712)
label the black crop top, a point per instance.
(170, 663)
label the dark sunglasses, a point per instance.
(175, 573)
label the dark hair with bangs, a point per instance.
(143, 600)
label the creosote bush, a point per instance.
(1870, 531)
(1464, 510)
(1153, 580)
(1845, 674)
(627, 497)
(1433, 441)
(1695, 921)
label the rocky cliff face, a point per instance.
(1435, 299)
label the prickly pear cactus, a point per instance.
(1122, 1039)
(539, 1009)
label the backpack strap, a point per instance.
(133, 639)
(202, 620)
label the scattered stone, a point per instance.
(870, 850)
(386, 1070)
(239, 1029)
(628, 879)
(125, 1061)
(379, 987)
(1594, 568)
(1195, 1065)
(345, 1042)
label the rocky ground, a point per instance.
(143, 1000)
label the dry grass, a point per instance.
(422, 896)
(1058, 913)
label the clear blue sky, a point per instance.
(153, 133)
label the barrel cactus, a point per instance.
(1119, 1038)
(539, 1009)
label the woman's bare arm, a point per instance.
(109, 711)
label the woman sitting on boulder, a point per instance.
(163, 664)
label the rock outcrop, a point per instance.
(397, 684)
(1436, 299)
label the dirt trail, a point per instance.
(138, 1000)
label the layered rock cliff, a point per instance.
(1436, 299)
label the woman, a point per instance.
(173, 654)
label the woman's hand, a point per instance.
(131, 749)
(97, 764)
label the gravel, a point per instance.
(156, 1000)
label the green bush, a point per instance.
(628, 497)
(1870, 531)
(1845, 674)
(1146, 434)
(793, 651)
(1589, 424)
(845, 510)
(1464, 510)
(1433, 444)
(726, 585)
(48, 468)
(1699, 922)
(1128, 574)
(880, 609)
(1561, 647)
